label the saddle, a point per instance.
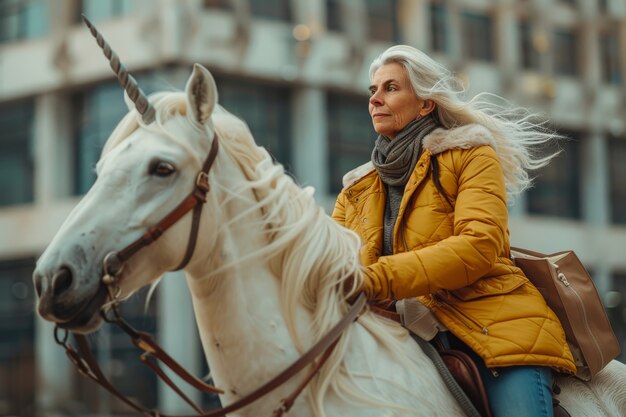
(423, 327)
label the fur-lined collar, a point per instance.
(438, 141)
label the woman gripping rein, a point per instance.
(431, 211)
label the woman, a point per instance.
(431, 210)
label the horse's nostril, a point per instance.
(61, 281)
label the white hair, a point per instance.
(515, 129)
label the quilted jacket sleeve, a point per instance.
(339, 212)
(480, 224)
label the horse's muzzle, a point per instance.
(61, 302)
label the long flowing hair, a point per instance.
(307, 250)
(520, 135)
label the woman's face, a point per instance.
(393, 104)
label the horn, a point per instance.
(127, 81)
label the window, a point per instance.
(217, 4)
(21, 19)
(610, 52)
(617, 174)
(530, 54)
(17, 331)
(266, 110)
(565, 53)
(603, 6)
(351, 136)
(477, 35)
(382, 20)
(97, 10)
(439, 27)
(97, 112)
(333, 15)
(16, 160)
(271, 9)
(556, 191)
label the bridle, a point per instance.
(86, 364)
(113, 264)
(114, 261)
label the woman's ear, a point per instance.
(427, 107)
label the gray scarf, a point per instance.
(395, 161)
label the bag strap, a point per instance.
(529, 252)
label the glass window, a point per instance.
(565, 52)
(333, 15)
(98, 10)
(21, 19)
(556, 190)
(217, 4)
(17, 331)
(617, 174)
(97, 111)
(610, 52)
(530, 55)
(351, 136)
(383, 20)
(603, 6)
(439, 27)
(478, 37)
(16, 160)
(266, 110)
(271, 9)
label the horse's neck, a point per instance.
(239, 317)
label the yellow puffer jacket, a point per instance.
(456, 259)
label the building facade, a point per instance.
(296, 72)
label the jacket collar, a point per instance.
(438, 141)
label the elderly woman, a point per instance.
(431, 210)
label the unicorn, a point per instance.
(266, 269)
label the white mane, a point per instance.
(310, 254)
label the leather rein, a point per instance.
(87, 365)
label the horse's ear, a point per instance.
(201, 94)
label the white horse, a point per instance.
(266, 276)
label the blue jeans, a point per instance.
(516, 391)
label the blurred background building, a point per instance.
(296, 72)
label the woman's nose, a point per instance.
(375, 100)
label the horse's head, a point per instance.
(145, 171)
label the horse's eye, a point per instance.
(162, 169)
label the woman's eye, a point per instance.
(162, 169)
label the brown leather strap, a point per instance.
(194, 200)
(385, 308)
(151, 363)
(88, 366)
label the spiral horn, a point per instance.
(126, 80)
